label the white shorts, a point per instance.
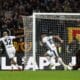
(52, 52)
(11, 52)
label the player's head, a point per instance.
(5, 33)
(43, 35)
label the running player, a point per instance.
(10, 49)
(52, 50)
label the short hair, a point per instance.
(5, 32)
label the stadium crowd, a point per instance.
(26, 7)
(11, 10)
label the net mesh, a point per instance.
(27, 22)
(66, 26)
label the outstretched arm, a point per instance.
(20, 36)
(57, 37)
(1, 39)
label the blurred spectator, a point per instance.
(26, 7)
(66, 6)
(11, 10)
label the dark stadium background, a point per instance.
(11, 12)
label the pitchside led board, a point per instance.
(31, 53)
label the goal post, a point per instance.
(28, 30)
(66, 25)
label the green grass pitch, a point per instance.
(40, 75)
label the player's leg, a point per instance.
(14, 63)
(51, 58)
(59, 58)
(11, 54)
(47, 55)
(62, 63)
(13, 60)
(66, 67)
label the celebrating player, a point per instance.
(10, 49)
(52, 50)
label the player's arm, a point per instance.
(57, 37)
(14, 37)
(20, 36)
(1, 39)
(40, 42)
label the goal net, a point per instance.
(67, 26)
(27, 23)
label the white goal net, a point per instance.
(66, 25)
(27, 23)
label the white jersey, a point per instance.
(7, 41)
(48, 40)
